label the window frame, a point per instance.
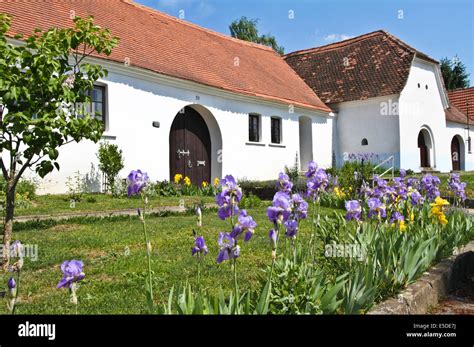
(104, 102)
(280, 130)
(251, 130)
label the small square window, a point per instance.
(254, 128)
(276, 130)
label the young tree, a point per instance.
(44, 85)
(110, 162)
(454, 73)
(246, 29)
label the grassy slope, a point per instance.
(115, 280)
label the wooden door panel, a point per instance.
(456, 154)
(189, 133)
(177, 135)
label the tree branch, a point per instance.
(4, 169)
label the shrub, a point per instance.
(250, 201)
(110, 163)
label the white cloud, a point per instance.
(337, 37)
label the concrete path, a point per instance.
(110, 213)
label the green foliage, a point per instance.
(300, 287)
(41, 91)
(75, 187)
(250, 201)
(110, 162)
(246, 29)
(25, 192)
(454, 73)
(353, 174)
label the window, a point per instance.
(97, 105)
(364, 142)
(254, 128)
(276, 129)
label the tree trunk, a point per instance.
(8, 228)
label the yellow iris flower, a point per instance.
(177, 178)
(187, 181)
(437, 210)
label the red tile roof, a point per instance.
(458, 109)
(169, 46)
(367, 66)
(453, 114)
(459, 98)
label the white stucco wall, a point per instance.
(376, 120)
(457, 129)
(137, 98)
(423, 108)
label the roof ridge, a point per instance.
(198, 27)
(338, 44)
(460, 89)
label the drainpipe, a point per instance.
(468, 129)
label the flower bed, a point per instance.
(344, 264)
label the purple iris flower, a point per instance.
(415, 198)
(291, 228)
(11, 285)
(229, 184)
(312, 167)
(317, 183)
(376, 208)
(280, 209)
(199, 246)
(299, 206)
(429, 184)
(365, 191)
(456, 186)
(228, 248)
(403, 173)
(72, 271)
(137, 180)
(227, 210)
(272, 234)
(228, 198)
(354, 210)
(284, 183)
(413, 182)
(245, 224)
(396, 217)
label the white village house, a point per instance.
(389, 99)
(180, 98)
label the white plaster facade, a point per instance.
(391, 124)
(136, 98)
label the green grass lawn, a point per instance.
(114, 257)
(60, 204)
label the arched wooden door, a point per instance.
(190, 147)
(424, 158)
(456, 154)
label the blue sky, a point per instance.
(437, 28)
